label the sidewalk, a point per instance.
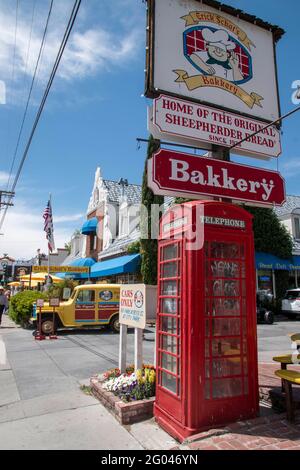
(270, 432)
(42, 406)
(7, 324)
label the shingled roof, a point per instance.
(291, 203)
(133, 192)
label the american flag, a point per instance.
(48, 226)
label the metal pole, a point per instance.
(123, 348)
(138, 348)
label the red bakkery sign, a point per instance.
(180, 174)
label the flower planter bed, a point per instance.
(125, 413)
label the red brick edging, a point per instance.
(125, 413)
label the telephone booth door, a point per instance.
(230, 369)
(169, 328)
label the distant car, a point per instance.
(290, 305)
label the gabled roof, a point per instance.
(119, 245)
(291, 203)
(132, 191)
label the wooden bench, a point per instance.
(289, 378)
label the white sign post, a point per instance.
(123, 348)
(132, 313)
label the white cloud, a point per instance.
(23, 232)
(67, 218)
(90, 50)
(3, 177)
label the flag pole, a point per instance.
(49, 245)
(48, 277)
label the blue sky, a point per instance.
(95, 110)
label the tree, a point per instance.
(270, 235)
(148, 245)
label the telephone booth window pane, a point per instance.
(207, 390)
(225, 250)
(169, 324)
(226, 367)
(224, 269)
(169, 343)
(169, 306)
(226, 288)
(169, 362)
(207, 349)
(169, 287)
(168, 381)
(207, 369)
(226, 307)
(226, 347)
(207, 328)
(246, 386)
(169, 270)
(170, 252)
(245, 365)
(225, 327)
(226, 388)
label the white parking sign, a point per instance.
(132, 305)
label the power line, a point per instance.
(8, 127)
(68, 30)
(29, 94)
(265, 127)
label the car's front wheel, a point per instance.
(269, 318)
(115, 324)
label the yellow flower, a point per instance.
(152, 376)
(139, 376)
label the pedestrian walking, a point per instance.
(3, 303)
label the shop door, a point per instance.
(85, 311)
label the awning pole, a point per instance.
(274, 283)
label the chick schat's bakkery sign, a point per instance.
(213, 55)
(180, 174)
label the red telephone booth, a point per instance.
(206, 332)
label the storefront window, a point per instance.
(265, 281)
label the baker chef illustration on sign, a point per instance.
(219, 58)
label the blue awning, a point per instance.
(90, 226)
(268, 261)
(121, 265)
(80, 262)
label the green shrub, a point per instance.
(56, 290)
(21, 305)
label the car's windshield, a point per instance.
(292, 294)
(73, 294)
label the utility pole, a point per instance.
(6, 198)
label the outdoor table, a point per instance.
(285, 360)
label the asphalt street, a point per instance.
(42, 406)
